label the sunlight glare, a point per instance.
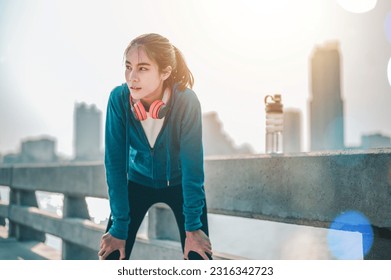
(357, 6)
(98, 209)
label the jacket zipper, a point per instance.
(156, 142)
(152, 157)
(151, 149)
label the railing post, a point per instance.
(162, 223)
(2, 220)
(5, 180)
(20, 232)
(381, 247)
(76, 207)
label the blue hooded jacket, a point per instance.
(175, 159)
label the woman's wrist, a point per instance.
(192, 233)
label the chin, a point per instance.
(138, 95)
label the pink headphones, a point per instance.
(158, 109)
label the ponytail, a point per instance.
(182, 74)
(159, 49)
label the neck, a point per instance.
(156, 95)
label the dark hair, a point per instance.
(160, 50)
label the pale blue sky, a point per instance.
(56, 53)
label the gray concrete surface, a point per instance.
(303, 189)
(11, 249)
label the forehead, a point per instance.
(138, 55)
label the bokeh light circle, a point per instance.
(348, 226)
(357, 6)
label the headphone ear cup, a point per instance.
(139, 111)
(158, 109)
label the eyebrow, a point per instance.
(139, 64)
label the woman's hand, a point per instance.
(198, 242)
(109, 244)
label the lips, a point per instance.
(135, 88)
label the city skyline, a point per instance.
(266, 51)
(216, 141)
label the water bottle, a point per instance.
(274, 124)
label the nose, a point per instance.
(132, 76)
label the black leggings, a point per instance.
(141, 198)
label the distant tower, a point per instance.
(38, 151)
(215, 140)
(292, 131)
(375, 140)
(326, 105)
(87, 129)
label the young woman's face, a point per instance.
(142, 76)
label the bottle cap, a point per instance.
(274, 106)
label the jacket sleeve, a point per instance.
(115, 164)
(192, 159)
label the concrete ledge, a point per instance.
(75, 179)
(27, 250)
(82, 232)
(146, 249)
(10, 249)
(307, 188)
(310, 188)
(78, 231)
(86, 234)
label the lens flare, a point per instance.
(350, 235)
(357, 6)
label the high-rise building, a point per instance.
(292, 131)
(326, 105)
(376, 140)
(87, 133)
(38, 151)
(216, 141)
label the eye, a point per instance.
(143, 69)
(128, 67)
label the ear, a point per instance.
(166, 73)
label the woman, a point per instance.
(153, 149)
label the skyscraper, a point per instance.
(87, 133)
(216, 141)
(38, 150)
(326, 105)
(292, 131)
(375, 140)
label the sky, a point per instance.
(54, 54)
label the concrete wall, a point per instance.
(305, 189)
